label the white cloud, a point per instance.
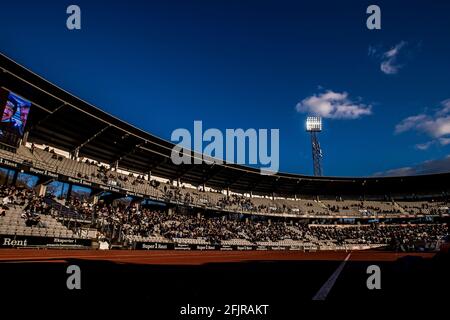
(436, 126)
(390, 59)
(444, 141)
(388, 67)
(405, 171)
(445, 108)
(409, 123)
(393, 52)
(424, 146)
(333, 105)
(426, 167)
(390, 64)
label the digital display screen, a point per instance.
(14, 110)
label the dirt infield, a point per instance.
(195, 257)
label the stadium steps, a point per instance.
(400, 208)
(14, 224)
(25, 152)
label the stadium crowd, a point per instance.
(121, 220)
(146, 222)
(129, 220)
(394, 235)
(33, 206)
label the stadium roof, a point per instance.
(61, 120)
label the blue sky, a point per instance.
(257, 64)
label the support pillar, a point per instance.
(41, 189)
(25, 138)
(14, 177)
(69, 191)
(74, 154)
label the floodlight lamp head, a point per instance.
(313, 124)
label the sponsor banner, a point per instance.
(79, 181)
(204, 247)
(201, 247)
(179, 246)
(74, 180)
(245, 248)
(86, 183)
(135, 194)
(278, 248)
(11, 241)
(8, 163)
(154, 246)
(43, 172)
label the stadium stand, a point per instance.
(129, 224)
(70, 141)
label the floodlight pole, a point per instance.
(313, 126)
(316, 154)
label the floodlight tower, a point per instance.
(313, 126)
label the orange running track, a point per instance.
(172, 257)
